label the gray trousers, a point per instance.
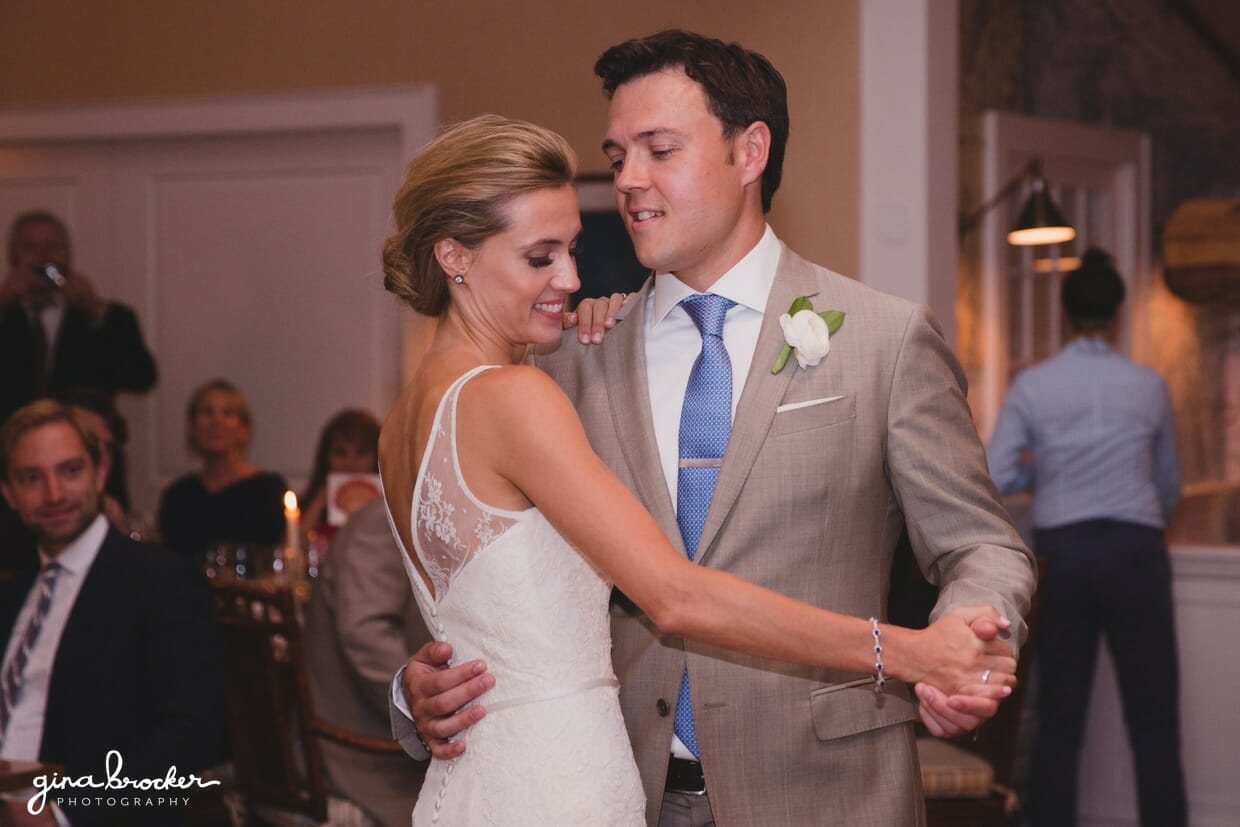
(686, 810)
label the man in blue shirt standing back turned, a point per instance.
(1093, 436)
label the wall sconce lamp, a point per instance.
(1040, 221)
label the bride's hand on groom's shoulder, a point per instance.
(438, 694)
(594, 317)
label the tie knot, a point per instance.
(707, 311)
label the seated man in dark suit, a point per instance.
(110, 644)
(361, 620)
(61, 335)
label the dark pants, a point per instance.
(685, 810)
(1115, 579)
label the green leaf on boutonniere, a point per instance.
(801, 303)
(833, 318)
(781, 359)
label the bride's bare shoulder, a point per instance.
(514, 387)
(516, 401)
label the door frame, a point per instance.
(408, 109)
(1072, 154)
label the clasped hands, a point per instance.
(960, 667)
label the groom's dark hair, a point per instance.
(741, 86)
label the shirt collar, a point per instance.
(1095, 345)
(748, 283)
(55, 299)
(79, 556)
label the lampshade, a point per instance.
(1040, 221)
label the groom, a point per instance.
(825, 468)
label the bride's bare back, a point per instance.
(407, 430)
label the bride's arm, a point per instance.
(524, 428)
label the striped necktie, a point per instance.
(705, 424)
(11, 680)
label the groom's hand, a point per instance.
(436, 694)
(948, 716)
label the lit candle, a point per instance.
(292, 523)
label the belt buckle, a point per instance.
(681, 772)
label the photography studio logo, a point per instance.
(115, 789)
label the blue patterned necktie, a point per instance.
(705, 423)
(11, 680)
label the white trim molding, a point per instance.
(909, 90)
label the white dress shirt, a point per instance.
(49, 316)
(24, 734)
(673, 343)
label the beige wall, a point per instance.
(530, 59)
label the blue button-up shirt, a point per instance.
(1100, 435)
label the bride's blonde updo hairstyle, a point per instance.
(458, 188)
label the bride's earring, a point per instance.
(458, 279)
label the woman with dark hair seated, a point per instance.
(229, 499)
(349, 444)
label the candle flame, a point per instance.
(290, 501)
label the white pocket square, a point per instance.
(792, 406)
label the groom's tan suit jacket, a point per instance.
(825, 469)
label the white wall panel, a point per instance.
(270, 280)
(246, 233)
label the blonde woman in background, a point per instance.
(228, 499)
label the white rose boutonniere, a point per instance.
(806, 333)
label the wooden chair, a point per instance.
(272, 726)
(968, 781)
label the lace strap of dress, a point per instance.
(450, 525)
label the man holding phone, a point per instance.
(56, 332)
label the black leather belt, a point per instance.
(685, 776)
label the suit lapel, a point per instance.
(68, 337)
(624, 367)
(92, 603)
(762, 394)
(78, 653)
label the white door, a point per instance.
(246, 234)
(1099, 177)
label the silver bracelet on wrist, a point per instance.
(879, 679)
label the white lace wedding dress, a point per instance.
(509, 589)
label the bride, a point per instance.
(515, 532)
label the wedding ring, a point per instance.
(986, 676)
